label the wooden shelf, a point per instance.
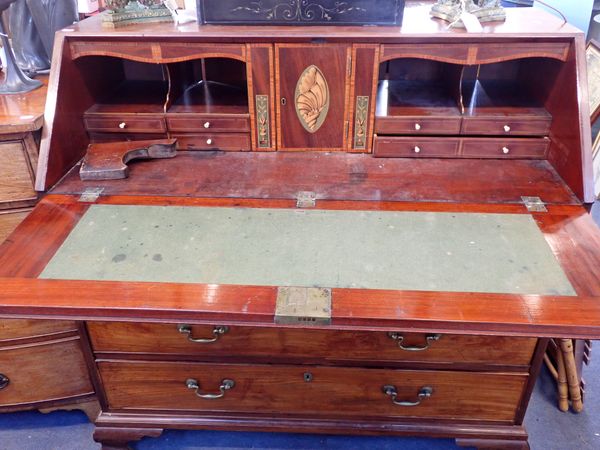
(211, 97)
(493, 98)
(134, 97)
(415, 98)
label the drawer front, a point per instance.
(125, 124)
(208, 123)
(405, 147)
(310, 345)
(417, 125)
(49, 371)
(505, 148)
(502, 126)
(311, 390)
(96, 138)
(214, 141)
(11, 329)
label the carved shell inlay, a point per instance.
(312, 98)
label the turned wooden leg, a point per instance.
(493, 444)
(566, 348)
(563, 389)
(116, 438)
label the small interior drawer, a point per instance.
(417, 125)
(51, 370)
(207, 123)
(313, 345)
(12, 329)
(311, 390)
(415, 147)
(98, 138)
(123, 123)
(214, 141)
(505, 148)
(538, 125)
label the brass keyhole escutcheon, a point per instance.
(308, 377)
(283, 101)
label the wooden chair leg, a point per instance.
(566, 346)
(563, 390)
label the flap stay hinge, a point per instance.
(534, 204)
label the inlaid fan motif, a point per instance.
(312, 98)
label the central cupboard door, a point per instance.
(313, 82)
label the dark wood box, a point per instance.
(294, 12)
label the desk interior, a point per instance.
(424, 251)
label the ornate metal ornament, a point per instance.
(312, 99)
(126, 12)
(299, 10)
(360, 122)
(262, 121)
(304, 12)
(483, 10)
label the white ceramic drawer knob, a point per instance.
(122, 125)
(417, 149)
(207, 125)
(209, 141)
(507, 128)
(505, 150)
(417, 126)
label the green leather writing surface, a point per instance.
(458, 252)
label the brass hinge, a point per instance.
(90, 195)
(306, 199)
(346, 128)
(534, 204)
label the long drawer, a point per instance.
(439, 147)
(51, 370)
(310, 345)
(311, 390)
(12, 329)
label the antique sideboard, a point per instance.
(366, 230)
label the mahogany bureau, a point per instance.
(367, 230)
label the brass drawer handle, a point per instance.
(4, 381)
(195, 386)
(399, 338)
(217, 332)
(423, 394)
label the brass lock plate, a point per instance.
(303, 306)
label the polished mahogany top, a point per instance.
(521, 22)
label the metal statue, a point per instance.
(484, 10)
(33, 24)
(14, 81)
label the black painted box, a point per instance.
(301, 12)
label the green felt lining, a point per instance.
(455, 252)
